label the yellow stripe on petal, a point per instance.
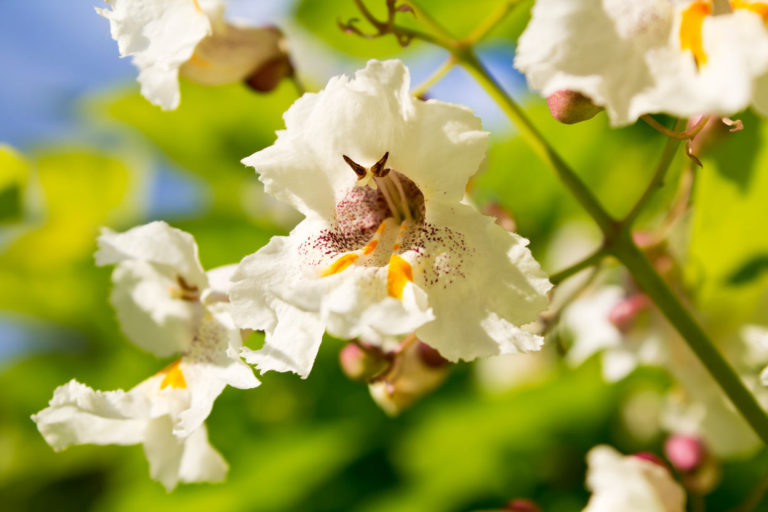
(370, 247)
(399, 273)
(198, 8)
(174, 377)
(340, 264)
(691, 28)
(759, 8)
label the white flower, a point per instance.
(630, 484)
(588, 321)
(681, 57)
(146, 414)
(166, 304)
(388, 245)
(166, 37)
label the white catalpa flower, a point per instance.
(681, 57)
(595, 321)
(388, 246)
(191, 37)
(146, 414)
(633, 483)
(166, 304)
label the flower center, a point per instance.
(373, 220)
(401, 196)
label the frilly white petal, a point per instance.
(156, 243)
(500, 287)
(173, 459)
(148, 315)
(437, 145)
(212, 363)
(160, 36)
(630, 484)
(79, 415)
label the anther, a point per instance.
(378, 169)
(359, 169)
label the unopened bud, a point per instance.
(651, 457)
(686, 453)
(358, 363)
(521, 505)
(623, 314)
(408, 378)
(232, 54)
(430, 356)
(571, 107)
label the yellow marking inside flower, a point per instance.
(340, 264)
(368, 249)
(691, 28)
(197, 7)
(399, 273)
(174, 377)
(759, 8)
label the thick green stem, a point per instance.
(659, 292)
(537, 142)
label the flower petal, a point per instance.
(156, 243)
(79, 415)
(629, 57)
(482, 285)
(161, 36)
(437, 145)
(173, 459)
(630, 484)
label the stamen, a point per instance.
(403, 198)
(378, 169)
(359, 169)
(387, 197)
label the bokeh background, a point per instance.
(82, 149)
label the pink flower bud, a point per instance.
(624, 313)
(522, 505)
(360, 364)
(686, 453)
(571, 107)
(651, 457)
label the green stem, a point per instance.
(590, 261)
(434, 77)
(488, 24)
(654, 286)
(657, 181)
(537, 142)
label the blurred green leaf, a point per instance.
(212, 130)
(728, 238)
(14, 174)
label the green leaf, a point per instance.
(14, 173)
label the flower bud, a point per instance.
(521, 505)
(233, 53)
(686, 453)
(571, 107)
(414, 372)
(361, 364)
(651, 457)
(624, 313)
